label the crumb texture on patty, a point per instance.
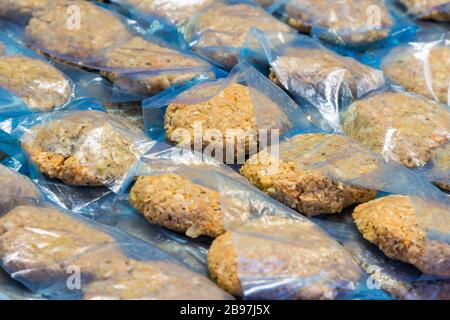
(296, 258)
(314, 72)
(142, 55)
(220, 30)
(176, 203)
(440, 170)
(41, 86)
(232, 117)
(85, 148)
(400, 226)
(84, 33)
(401, 127)
(311, 173)
(35, 242)
(423, 68)
(344, 22)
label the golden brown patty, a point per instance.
(394, 224)
(422, 70)
(142, 55)
(302, 177)
(303, 262)
(438, 10)
(302, 70)
(402, 127)
(59, 30)
(345, 22)
(229, 117)
(221, 30)
(37, 242)
(85, 148)
(176, 203)
(17, 189)
(41, 86)
(154, 280)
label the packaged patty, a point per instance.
(219, 32)
(96, 38)
(402, 127)
(323, 81)
(421, 67)
(347, 23)
(28, 82)
(400, 280)
(438, 10)
(258, 250)
(109, 264)
(81, 147)
(228, 119)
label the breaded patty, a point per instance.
(40, 85)
(75, 28)
(36, 243)
(221, 29)
(438, 10)
(305, 70)
(17, 189)
(347, 22)
(231, 117)
(395, 224)
(176, 203)
(311, 173)
(401, 127)
(155, 280)
(421, 68)
(141, 55)
(85, 148)
(298, 260)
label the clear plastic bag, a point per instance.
(218, 32)
(346, 23)
(400, 280)
(228, 119)
(21, 10)
(124, 53)
(200, 196)
(81, 147)
(404, 128)
(438, 10)
(421, 67)
(323, 82)
(82, 259)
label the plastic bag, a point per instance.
(125, 54)
(81, 147)
(21, 10)
(227, 119)
(400, 280)
(199, 196)
(322, 81)
(82, 259)
(404, 128)
(218, 32)
(438, 10)
(421, 67)
(347, 23)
